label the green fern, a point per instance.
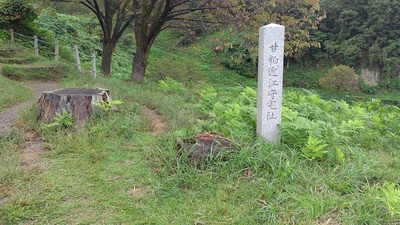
(391, 199)
(63, 120)
(314, 148)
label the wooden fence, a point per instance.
(57, 46)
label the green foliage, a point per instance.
(391, 198)
(16, 13)
(304, 76)
(335, 123)
(237, 57)
(314, 148)
(208, 97)
(394, 84)
(181, 69)
(363, 33)
(171, 86)
(30, 72)
(124, 170)
(108, 106)
(83, 31)
(61, 121)
(235, 118)
(12, 93)
(368, 89)
(340, 78)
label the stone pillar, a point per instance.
(270, 81)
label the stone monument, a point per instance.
(270, 81)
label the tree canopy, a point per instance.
(14, 13)
(364, 33)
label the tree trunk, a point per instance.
(106, 58)
(79, 102)
(139, 64)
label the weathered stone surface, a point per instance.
(370, 76)
(270, 81)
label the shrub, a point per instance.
(340, 78)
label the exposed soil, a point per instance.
(33, 146)
(157, 125)
(10, 115)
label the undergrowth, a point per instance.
(337, 163)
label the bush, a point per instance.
(340, 78)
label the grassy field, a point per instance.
(114, 171)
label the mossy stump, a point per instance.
(79, 102)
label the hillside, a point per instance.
(338, 163)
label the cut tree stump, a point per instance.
(79, 102)
(204, 145)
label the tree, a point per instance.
(149, 18)
(114, 16)
(364, 33)
(299, 17)
(153, 16)
(16, 13)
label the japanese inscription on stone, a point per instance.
(270, 79)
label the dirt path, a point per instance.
(158, 124)
(10, 115)
(33, 147)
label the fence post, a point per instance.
(56, 51)
(94, 66)
(36, 45)
(12, 36)
(78, 61)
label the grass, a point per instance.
(41, 70)
(12, 93)
(113, 171)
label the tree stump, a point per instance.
(79, 102)
(204, 145)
